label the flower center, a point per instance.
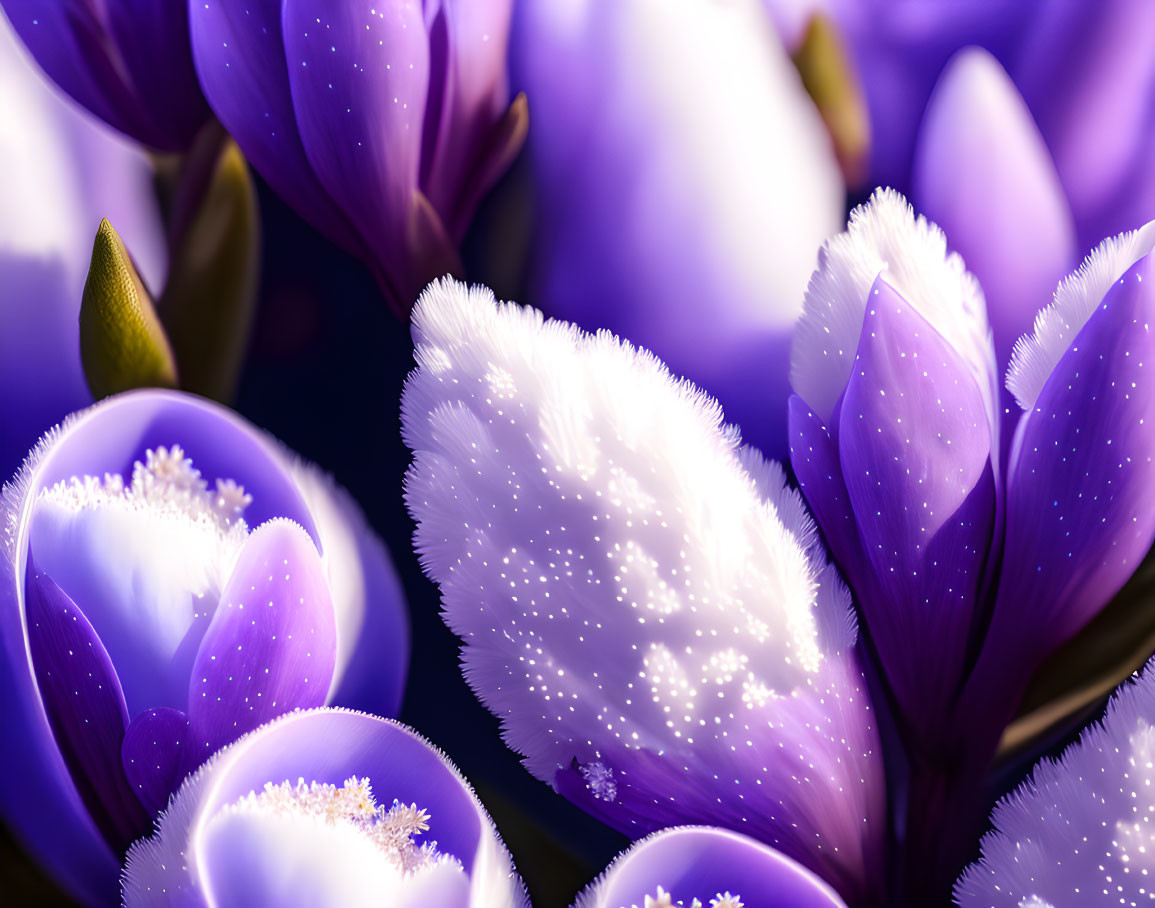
(392, 830)
(663, 899)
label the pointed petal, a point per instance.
(325, 746)
(983, 174)
(638, 599)
(85, 707)
(699, 862)
(272, 642)
(359, 82)
(157, 755)
(240, 59)
(1082, 466)
(372, 618)
(1078, 831)
(915, 450)
(884, 236)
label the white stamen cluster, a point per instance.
(166, 481)
(663, 899)
(391, 829)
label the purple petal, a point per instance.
(983, 174)
(915, 448)
(321, 746)
(1081, 476)
(468, 95)
(85, 706)
(272, 642)
(240, 58)
(157, 755)
(702, 863)
(1088, 72)
(152, 41)
(69, 41)
(665, 216)
(359, 81)
(372, 618)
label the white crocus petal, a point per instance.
(234, 836)
(146, 559)
(1076, 299)
(1081, 829)
(884, 236)
(633, 588)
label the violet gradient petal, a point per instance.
(466, 100)
(272, 642)
(62, 171)
(372, 658)
(668, 212)
(84, 705)
(915, 449)
(157, 754)
(359, 81)
(322, 746)
(1088, 73)
(983, 173)
(240, 59)
(699, 862)
(1081, 476)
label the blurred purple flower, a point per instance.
(144, 624)
(894, 435)
(1023, 129)
(127, 61)
(382, 127)
(683, 182)
(296, 813)
(60, 173)
(698, 866)
(1079, 830)
(643, 603)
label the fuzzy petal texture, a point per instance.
(684, 181)
(703, 863)
(1081, 466)
(1078, 831)
(193, 858)
(983, 173)
(643, 603)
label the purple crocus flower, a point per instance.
(683, 183)
(298, 813)
(1078, 831)
(127, 61)
(644, 604)
(699, 866)
(382, 126)
(894, 431)
(172, 578)
(60, 173)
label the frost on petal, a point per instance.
(1081, 830)
(643, 603)
(885, 236)
(1077, 297)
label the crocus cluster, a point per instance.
(649, 610)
